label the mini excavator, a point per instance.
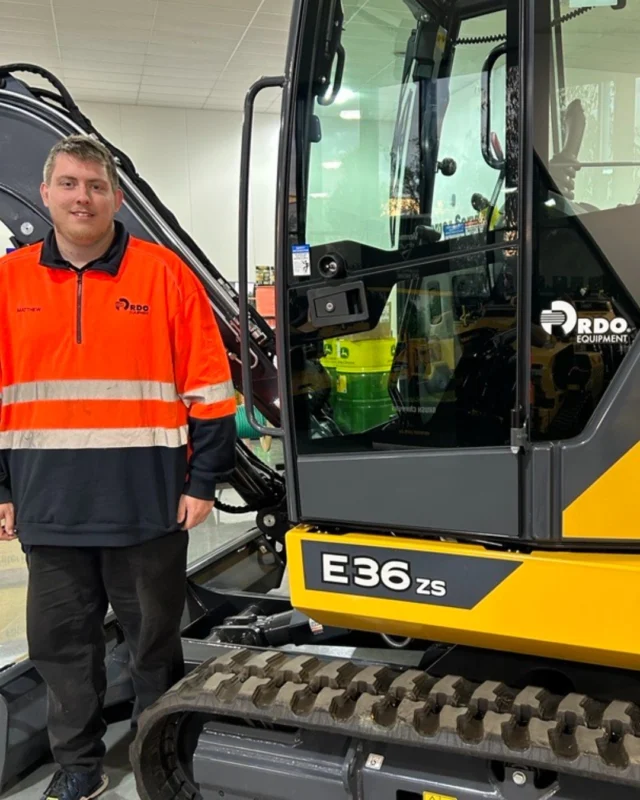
(435, 602)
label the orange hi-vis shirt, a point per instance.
(116, 393)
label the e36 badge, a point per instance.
(418, 576)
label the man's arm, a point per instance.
(203, 378)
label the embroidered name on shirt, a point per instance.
(22, 309)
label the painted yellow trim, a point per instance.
(434, 796)
(557, 605)
(610, 507)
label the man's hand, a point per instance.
(7, 522)
(192, 511)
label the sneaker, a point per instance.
(76, 785)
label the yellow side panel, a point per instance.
(610, 507)
(572, 606)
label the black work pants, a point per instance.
(67, 599)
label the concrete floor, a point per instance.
(218, 529)
(121, 781)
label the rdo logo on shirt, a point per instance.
(133, 308)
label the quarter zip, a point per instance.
(79, 308)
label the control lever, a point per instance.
(565, 165)
(447, 167)
(427, 234)
(479, 202)
(422, 232)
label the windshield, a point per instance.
(596, 78)
(411, 191)
(412, 163)
(401, 146)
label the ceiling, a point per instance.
(185, 53)
(206, 53)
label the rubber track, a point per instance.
(532, 727)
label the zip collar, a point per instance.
(109, 261)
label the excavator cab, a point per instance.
(449, 175)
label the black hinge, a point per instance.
(519, 431)
(519, 439)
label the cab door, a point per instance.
(400, 313)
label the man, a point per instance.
(117, 419)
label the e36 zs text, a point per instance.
(369, 573)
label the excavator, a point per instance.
(434, 604)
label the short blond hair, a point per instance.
(84, 148)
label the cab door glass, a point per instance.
(597, 69)
(463, 200)
(402, 145)
(438, 370)
(412, 172)
(350, 167)
(586, 282)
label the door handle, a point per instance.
(487, 72)
(243, 249)
(342, 304)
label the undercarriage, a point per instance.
(354, 714)
(361, 729)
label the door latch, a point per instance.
(338, 305)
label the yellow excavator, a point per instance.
(439, 602)
(457, 217)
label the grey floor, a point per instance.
(121, 781)
(218, 529)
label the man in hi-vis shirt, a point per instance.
(117, 418)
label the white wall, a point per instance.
(5, 241)
(191, 159)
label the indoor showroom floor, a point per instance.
(203, 539)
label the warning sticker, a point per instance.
(301, 257)
(453, 230)
(441, 39)
(433, 796)
(315, 627)
(473, 226)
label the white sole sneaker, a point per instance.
(99, 790)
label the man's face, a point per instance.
(81, 200)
